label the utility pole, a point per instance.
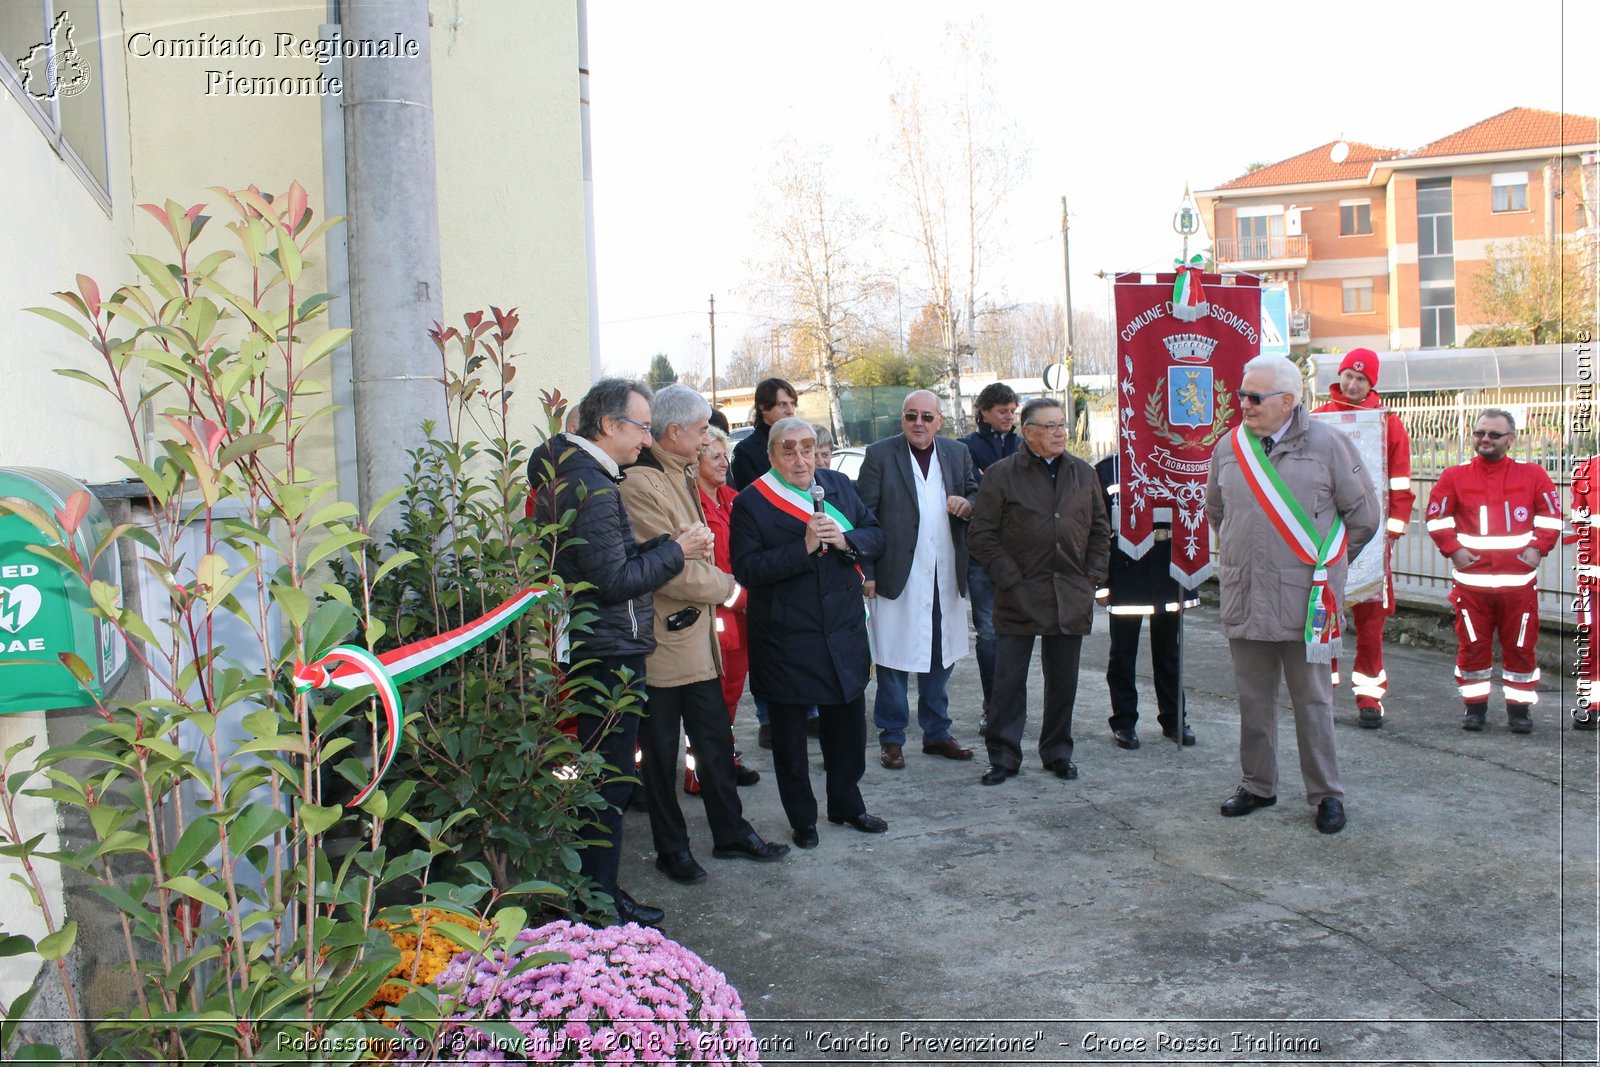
(1066, 266)
(713, 350)
(394, 247)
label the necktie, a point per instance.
(1266, 445)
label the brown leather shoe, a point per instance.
(949, 748)
(892, 758)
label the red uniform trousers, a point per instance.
(1481, 614)
(735, 660)
(1368, 680)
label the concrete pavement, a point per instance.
(1121, 918)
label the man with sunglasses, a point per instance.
(922, 488)
(1289, 505)
(1356, 390)
(1495, 519)
(1040, 530)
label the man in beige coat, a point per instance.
(1282, 489)
(682, 686)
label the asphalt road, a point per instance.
(1120, 918)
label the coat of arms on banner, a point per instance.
(1175, 388)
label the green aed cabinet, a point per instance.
(44, 610)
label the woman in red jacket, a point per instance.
(716, 501)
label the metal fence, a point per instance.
(1440, 430)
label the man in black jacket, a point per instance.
(581, 472)
(1134, 589)
(993, 440)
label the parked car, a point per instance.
(847, 461)
(739, 433)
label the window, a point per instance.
(1355, 217)
(50, 63)
(1260, 232)
(1358, 296)
(1510, 190)
(1438, 316)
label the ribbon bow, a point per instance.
(1188, 295)
(350, 667)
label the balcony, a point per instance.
(1263, 253)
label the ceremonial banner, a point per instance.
(1176, 376)
(1367, 429)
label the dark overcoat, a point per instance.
(888, 486)
(806, 619)
(1045, 545)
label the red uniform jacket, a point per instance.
(1494, 510)
(1401, 499)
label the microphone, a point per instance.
(817, 495)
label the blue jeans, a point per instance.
(980, 592)
(891, 708)
(763, 716)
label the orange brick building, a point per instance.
(1379, 246)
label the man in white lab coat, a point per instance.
(921, 487)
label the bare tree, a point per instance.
(815, 275)
(957, 161)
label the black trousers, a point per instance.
(1166, 630)
(842, 734)
(698, 709)
(1008, 709)
(615, 737)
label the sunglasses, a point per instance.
(925, 416)
(1257, 398)
(1493, 435)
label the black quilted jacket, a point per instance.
(599, 548)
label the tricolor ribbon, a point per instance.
(1300, 534)
(1188, 295)
(351, 667)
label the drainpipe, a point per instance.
(337, 244)
(588, 190)
(395, 269)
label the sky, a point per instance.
(1119, 106)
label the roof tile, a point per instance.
(1316, 165)
(1514, 128)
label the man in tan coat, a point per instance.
(1290, 506)
(682, 686)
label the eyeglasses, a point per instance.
(645, 426)
(1493, 435)
(1048, 427)
(913, 416)
(1257, 398)
(789, 449)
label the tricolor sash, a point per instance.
(796, 503)
(1300, 534)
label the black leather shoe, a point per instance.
(1330, 815)
(867, 824)
(1172, 735)
(806, 837)
(631, 911)
(764, 736)
(1125, 738)
(751, 847)
(743, 775)
(1064, 768)
(1588, 722)
(680, 867)
(996, 774)
(1244, 802)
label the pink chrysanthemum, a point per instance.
(628, 995)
